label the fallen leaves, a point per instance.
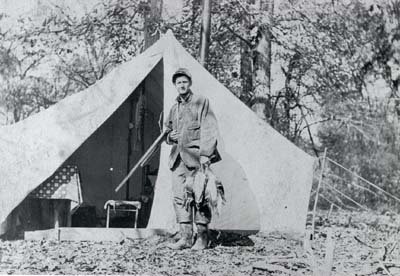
(356, 253)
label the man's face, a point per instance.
(182, 85)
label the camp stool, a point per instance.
(122, 206)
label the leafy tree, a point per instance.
(74, 52)
(340, 52)
(23, 92)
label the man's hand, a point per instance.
(173, 136)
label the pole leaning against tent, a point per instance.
(317, 192)
(143, 160)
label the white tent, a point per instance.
(267, 179)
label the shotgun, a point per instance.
(143, 160)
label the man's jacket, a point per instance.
(197, 128)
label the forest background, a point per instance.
(325, 74)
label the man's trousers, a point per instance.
(180, 175)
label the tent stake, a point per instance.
(330, 210)
(317, 193)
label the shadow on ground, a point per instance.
(229, 239)
(216, 238)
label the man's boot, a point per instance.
(202, 237)
(186, 232)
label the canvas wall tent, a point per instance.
(267, 179)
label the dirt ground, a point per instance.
(364, 244)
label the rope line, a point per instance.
(352, 183)
(345, 196)
(330, 201)
(368, 182)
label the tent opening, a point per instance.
(101, 162)
(108, 155)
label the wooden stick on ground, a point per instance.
(384, 268)
(275, 268)
(329, 253)
(394, 246)
(367, 245)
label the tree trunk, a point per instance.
(246, 62)
(205, 32)
(246, 72)
(262, 60)
(289, 99)
(151, 17)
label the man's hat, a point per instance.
(181, 72)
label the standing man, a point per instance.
(193, 133)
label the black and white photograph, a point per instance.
(200, 137)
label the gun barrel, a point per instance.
(146, 156)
